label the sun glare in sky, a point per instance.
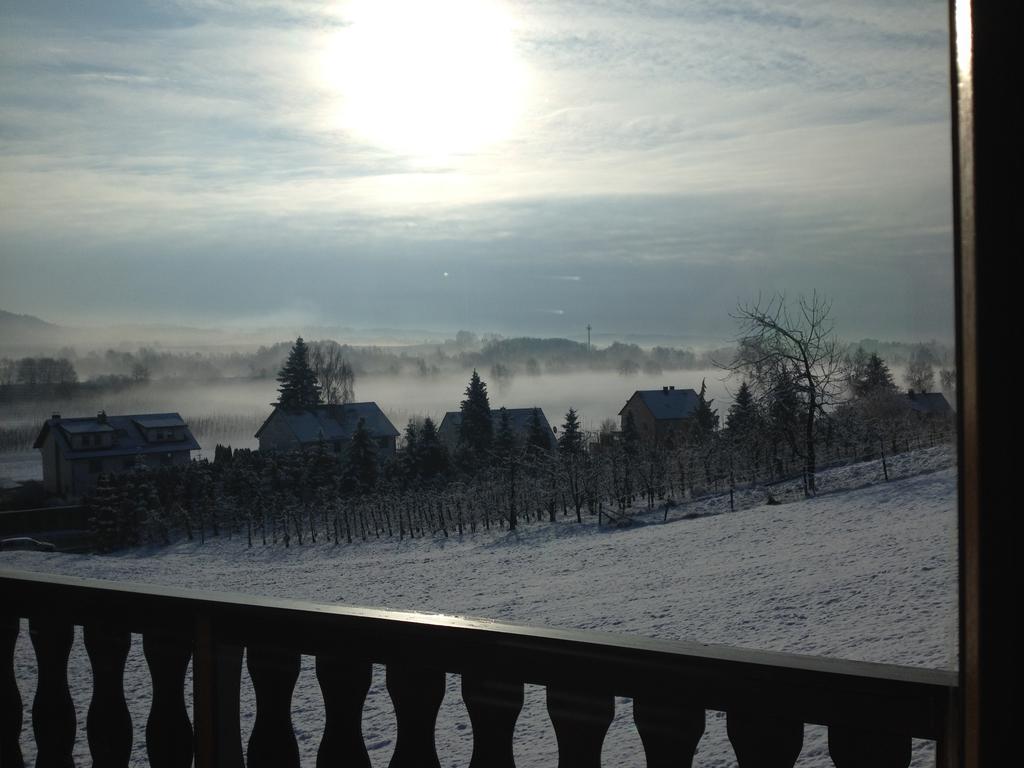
(429, 80)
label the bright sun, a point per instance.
(430, 79)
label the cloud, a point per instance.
(791, 138)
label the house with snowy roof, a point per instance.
(929, 404)
(519, 419)
(290, 429)
(661, 413)
(76, 451)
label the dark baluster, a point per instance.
(273, 673)
(763, 741)
(669, 730)
(861, 748)
(108, 723)
(168, 730)
(228, 707)
(416, 693)
(10, 698)
(216, 686)
(493, 708)
(344, 684)
(53, 712)
(581, 721)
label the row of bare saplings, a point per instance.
(292, 503)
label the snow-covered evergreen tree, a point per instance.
(433, 456)
(476, 432)
(361, 461)
(706, 417)
(505, 439)
(298, 385)
(743, 417)
(570, 442)
(869, 375)
(104, 514)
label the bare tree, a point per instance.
(920, 375)
(778, 341)
(333, 373)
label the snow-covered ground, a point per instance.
(865, 574)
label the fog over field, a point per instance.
(230, 410)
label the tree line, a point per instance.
(802, 403)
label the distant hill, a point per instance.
(25, 334)
(12, 322)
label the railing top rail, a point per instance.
(815, 688)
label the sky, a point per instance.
(510, 167)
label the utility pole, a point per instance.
(588, 338)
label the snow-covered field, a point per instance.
(865, 574)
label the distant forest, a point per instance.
(502, 358)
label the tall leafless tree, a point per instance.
(333, 373)
(779, 340)
(920, 374)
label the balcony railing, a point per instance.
(872, 711)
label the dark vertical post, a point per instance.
(763, 741)
(581, 720)
(344, 685)
(493, 708)
(216, 684)
(10, 697)
(108, 724)
(417, 694)
(53, 712)
(861, 748)
(273, 672)
(168, 730)
(669, 729)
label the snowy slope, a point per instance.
(866, 574)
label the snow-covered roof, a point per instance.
(519, 420)
(667, 402)
(84, 426)
(159, 420)
(333, 422)
(129, 438)
(929, 403)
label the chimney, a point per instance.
(55, 416)
(672, 388)
(664, 390)
(101, 417)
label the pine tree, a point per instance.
(869, 375)
(784, 409)
(505, 439)
(433, 456)
(476, 432)
(570, 442)
(410, 457)
(104, 512)
(573, 461)
(361, 461)
(299, 387)
(707, 417)
(742, 417)
(878, 377)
